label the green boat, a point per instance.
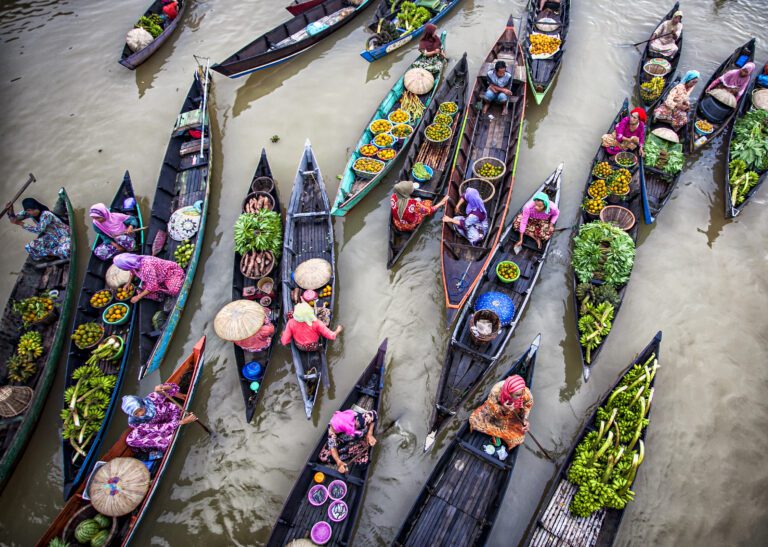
(36, 279)
(354, 185)
(552, 21)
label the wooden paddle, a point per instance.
(644, 41)
(8, 207)
(184, 413)
(543, 450)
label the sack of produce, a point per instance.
(418, 81)
(724, 96)
(137, 39)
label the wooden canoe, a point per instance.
(554, 524)
(463, 263)
(695, 142)
(34, 279)
(353, 187)
(438, 158)
(462, 497)
(184, 180)
(308, 234)
(298, 515)
(731, 209)
(130, 59)
(185, 376)
(288, 40)
(75, 466)
(383, 43)
(297, 7)
(241, 283)
(542, 72)
(466, 362)
(634, 204)
(643, 77)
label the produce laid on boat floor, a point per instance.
(750, 140)
(183, 254)
(368, 150)
(741, 181)
(489, 170)
(618, 182)
(411, 103)
(411, 16)
(598, 189)
(33, 309)
(87, 334)
(651, 90)
(101, 298)
(543, 45)
(602, 170)
(152, 23)
(124, 293)
(438, 132)
(30, 345)
(383, 140)
(325, 292)
(593, 206)
(605, 462)
(256, 203)
(380, 126)
(21, 365)
(368, 165)
(402, 131)
(448, 107)
(386, 154)
(419, 170)
(116, 312)
(399, 116)
(94, 532)
(108, 350)
(259, 231)
(664, 155)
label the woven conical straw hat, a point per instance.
(312, 274)
(239, 320)
(119, 486)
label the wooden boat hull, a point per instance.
(257, 55)
(454, 90)
(554, 517)
(542, 72)
(186, 377)
(383, 50)
(298, 516)
(647, 55)
(153, 344)
(463, 263)
(297, 7)
(308, 234)
(466, 362)
(130, 59)
(94, 281)
(240, 282)
(462, 497)
(15, 432)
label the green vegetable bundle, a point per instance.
(153, 24)
(594, 326)
(741, 181)
(603, 251)
(411, 17)
(664, 155)
(419, 171)
(259, 231)
(750, 140)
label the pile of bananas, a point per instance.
(366, 165)
(618, 182)
(541, 44)
(30, 345)
(19, 369)
(380, 126)
(101, 298)
(593, 206)
(602, 170)
(183, 254)
(650, 91)
(598, 189)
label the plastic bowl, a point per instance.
(505, 279)
(381, 146)
(321, 532)
(428, 170)
(124, 319)
(701, 131)
(389, 117)
(313, 490)
(122, 346)
(337, 485)
(408, 131)
(344, 509)
(391, 125)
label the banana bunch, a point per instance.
(30, 345)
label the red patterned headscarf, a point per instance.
(511, 385)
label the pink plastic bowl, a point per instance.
(321, 532)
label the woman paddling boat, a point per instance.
(53, 235)
(664, 38)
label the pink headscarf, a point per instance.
(734, 79)
(128, 262)
(344, 422)
(113, 224)
(511, 385)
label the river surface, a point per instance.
(76, 118)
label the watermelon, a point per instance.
(103, 521)
(100, 539)
(58, 542)
(86, 530)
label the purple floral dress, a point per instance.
(53, 236)
(157, 433)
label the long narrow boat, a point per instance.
(387, 34)
(483, 136)
(648, 55)
(433, 156)
(308, 234)
(132, 59)
(732, 209)
(186, 377)
(184, 181)
(35, 279)
(76, 466)
(719, 115)
(554, 524)
(466, 361)
(634, 204)
(462, 497)
(354, 187)
(297, 7)
(299, 516)
(291, 38)
(542, 71)
(243, 287)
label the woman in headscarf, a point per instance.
(115, 231)
(675, 108)
(409, 212)
(350, 437)
(154, 419)
(505, 413)
(53, 235)
(430, 44)
(253, 313)
(537, 220)
(305, 329)
(158, 277)
(664, 38)
(628, 135)
(734, 81)
(474, 224)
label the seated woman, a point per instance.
(262, 338)
(474, 225)
(305, 329)
(170, 9)
(159, 278)
(407, 212)
(505, 413)
(430, 44)
(674, 110)
(734, 81)
(664, 38)
(53, 235)
(350, 436)
(537, 220)
(628, 135)
(154, 419)
(115, 231)
(499, 81)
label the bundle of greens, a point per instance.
(741, 180)
(259, 231)
(750, 140)
(664, 155)
(604, 252)
(152, 23)
(411, 17)
(433, 64)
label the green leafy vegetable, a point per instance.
(259, 231)
(741, 181)
(152, 23)
(750, 140)
(603, 251)
(411, 17)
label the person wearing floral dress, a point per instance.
(53, 235)
(115, 231)
(537, 220)
(473, 226)
(350, 437)
(675, 108)
(159, 278)
(409, 212)
(505, 413)
(154, 419)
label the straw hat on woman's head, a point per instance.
(312, 274)
(239, 320)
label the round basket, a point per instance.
(443, 142)
(263, 184)
(266, 256)
(445, 109)
(484, 186)
(377, 132)
(626, 155)
(366, 174)
(256, 195)
(489, 316)
(657, 67)
(121, 321)
(87, 512)
(373, 154)
(389, 117)
(96, 343)
(618, 216)
(111, 298)
(493, 161)
(131, 294)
